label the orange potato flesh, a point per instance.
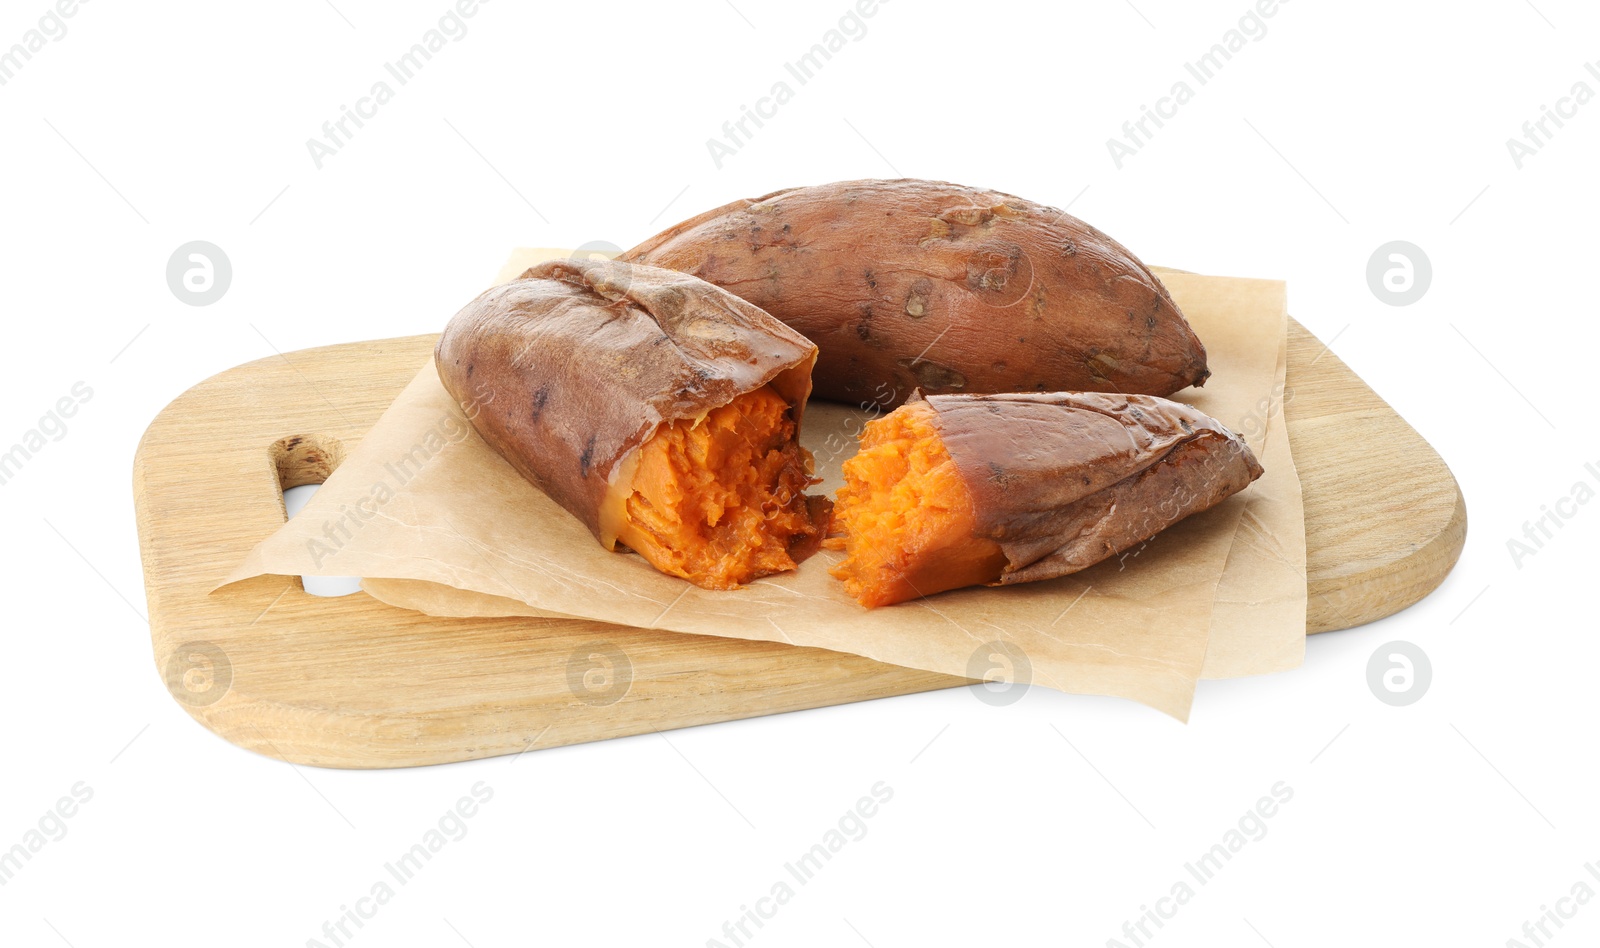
(720, 501)
(906, 517)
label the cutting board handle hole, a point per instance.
(306, 459)
(303, 463)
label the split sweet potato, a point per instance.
(911, 284)
(959, 490)
(660, 410)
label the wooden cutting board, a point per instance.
(351, 682)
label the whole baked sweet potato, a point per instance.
(911, 284)
(660, 410)
(961, 490)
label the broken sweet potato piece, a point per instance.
(660, 410)
(906, 515)
(958, 490)
(714, 500)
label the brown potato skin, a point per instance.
(909, 284)
(1064, 480)
(568, 369)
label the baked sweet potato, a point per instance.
(660, 410)
(911, 284)
(961, 490)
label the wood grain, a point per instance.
(350, 682)
(1385, 519)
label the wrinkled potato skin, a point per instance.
(568, 369)
(1064, 480)
(910, 284)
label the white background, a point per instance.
(1451, 821)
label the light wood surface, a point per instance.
(350, 682)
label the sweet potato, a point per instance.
(660, 410)
(958, 490)
(911, 284)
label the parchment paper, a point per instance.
(435, 520)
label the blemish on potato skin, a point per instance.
(863, 329)
(993, 267)
(937, 230)
(1158, 306)
(967, 216)
(917, 298)
(587, 458)
(998, 475)
(931, 376)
